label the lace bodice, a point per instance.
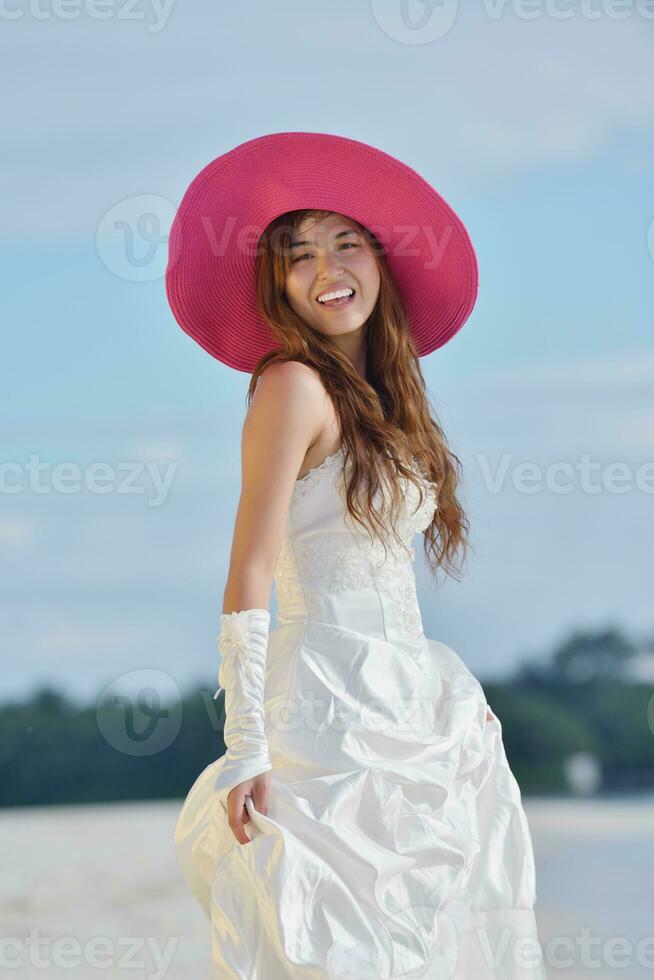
(330, 570)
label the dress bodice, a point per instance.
(331, 570)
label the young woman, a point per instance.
(364, 821)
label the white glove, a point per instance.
(243, 644)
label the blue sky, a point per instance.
(539, 132)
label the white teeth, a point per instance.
(335, 295)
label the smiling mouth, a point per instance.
(340, 303)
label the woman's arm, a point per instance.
(286, 415)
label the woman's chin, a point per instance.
(340, 325)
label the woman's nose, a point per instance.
(330, 263)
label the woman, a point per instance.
(364, 821)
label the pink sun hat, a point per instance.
(229, 203)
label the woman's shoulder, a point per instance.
(286, 368)
(291, 378)
(290, 397)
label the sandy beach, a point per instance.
(95, 890)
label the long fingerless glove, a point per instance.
(243, 644)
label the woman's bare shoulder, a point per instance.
(292, 382)
(293, 372)
(286, 414)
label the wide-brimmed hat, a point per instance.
(227, 206)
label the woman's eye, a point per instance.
(307, 255)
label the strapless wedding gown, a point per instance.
(395, 843)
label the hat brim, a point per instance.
(213, 238)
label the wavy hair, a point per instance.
(386, 421)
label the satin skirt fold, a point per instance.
(395, 842)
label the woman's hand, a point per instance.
(237, 814)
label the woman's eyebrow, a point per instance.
(341, 234)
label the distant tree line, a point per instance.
(581, 697)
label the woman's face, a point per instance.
(326, 256)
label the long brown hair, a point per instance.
(384, 421)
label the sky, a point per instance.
(120, 436)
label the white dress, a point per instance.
(395, 843)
